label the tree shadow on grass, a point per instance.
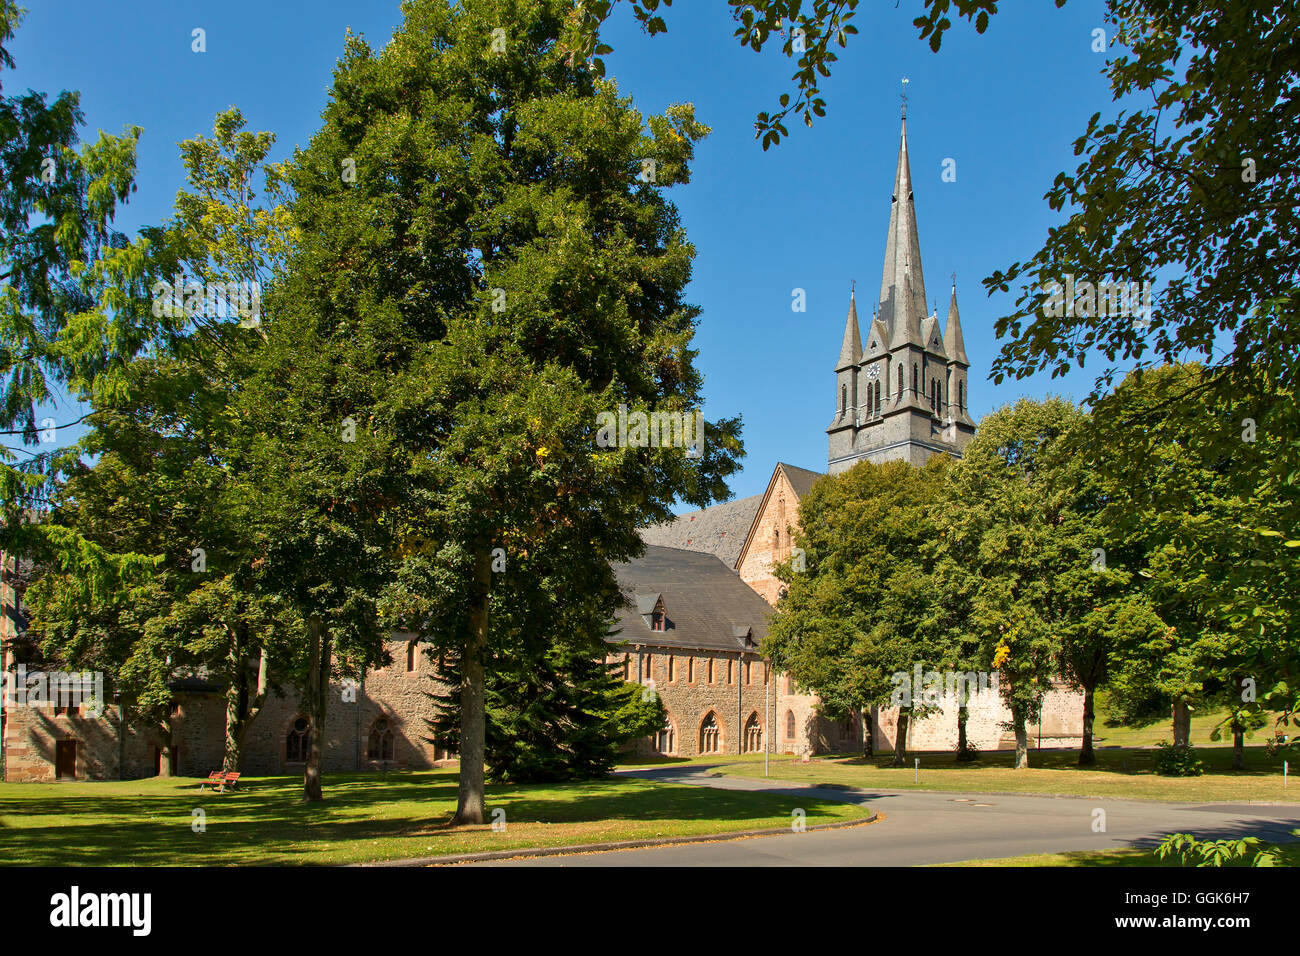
(269, 824)
(1217, 761)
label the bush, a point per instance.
(1248, 851)
(1174, 761)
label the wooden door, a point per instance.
(65, 759)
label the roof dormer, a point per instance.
(744, 636)
(653, 612)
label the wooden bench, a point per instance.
(219, 781)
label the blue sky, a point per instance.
(809, 214)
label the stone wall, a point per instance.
(772, 539)
(736, 695)
(987, 721)
(393, 693)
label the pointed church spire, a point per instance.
(953, 343)
(905, 317)
(902, 245)
(851, 350)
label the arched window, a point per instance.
(672, 669)
(380, 745)
(900, 380)
(710, 670)
(753, 734)
(914, 374)
(410, 657)
(877, 398)
(627, 667)
(666, 739)
(690, 670)
(789, 725)
(961, 395)
(297, 744)
(844, 399)
(710, 734)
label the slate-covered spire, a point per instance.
(905, 317)
(851, 350)
(902, 245)
(953, 343)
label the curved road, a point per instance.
(922, 827)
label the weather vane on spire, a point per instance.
(903, 96)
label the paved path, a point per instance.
(940, 826)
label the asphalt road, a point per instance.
(939, 827)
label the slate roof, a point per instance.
(706, 604)
(720, 530)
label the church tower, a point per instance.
(904, 395)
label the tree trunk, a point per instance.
(900, 740)
(963, 751)
(240, 708)
(1182, 723)
(167, 748)
(1238, 728)
(1086, 756)
(470, 796)
(316, 699)
(1022, 740)
(868, 733)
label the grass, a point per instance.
(365, 817)
(1126, 774)
(1290, 856)
(1124, 858)
(1107, 733)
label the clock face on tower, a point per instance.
(873, 372)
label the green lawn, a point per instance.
(1290, 857)
(1106, 735)
(1125, 774)
(365, 817)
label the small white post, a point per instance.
(1284, 769)
(916, 775)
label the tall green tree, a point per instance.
(1024, 542)
(57, 246)
(1197, 491)
(168, 433)
(863, 610)
(488, 264)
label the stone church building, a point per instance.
(697, 603)
(902, 397)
